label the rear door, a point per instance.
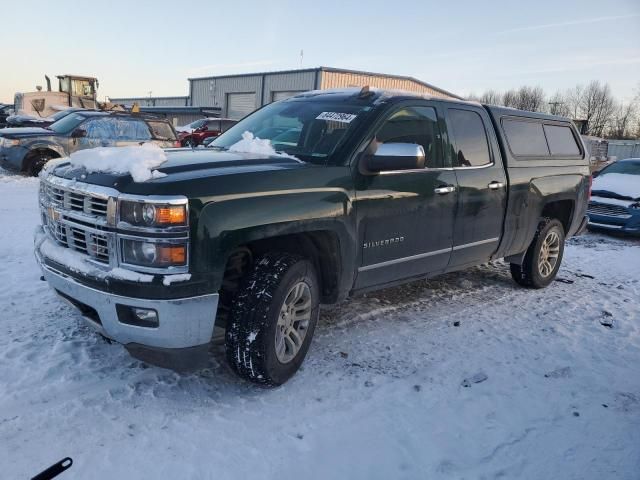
(405, 217)
(482, 185)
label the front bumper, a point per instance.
(12, 158)
(630, 226)
(185, 325)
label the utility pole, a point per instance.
(301, 57)
(554, 107)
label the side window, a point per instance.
(99, 128)
(470, 137)
(130, 130)
(213, 126)
(525, 138)
(418, 125)
(161, 130)
(561, 141)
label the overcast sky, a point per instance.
(134, 47)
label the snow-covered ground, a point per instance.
(381, 395)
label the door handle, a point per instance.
(496, 185)
(445, 190)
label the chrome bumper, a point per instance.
(183, 323)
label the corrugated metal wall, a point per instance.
(287, 82)
(622, 149)
(212, 92)
(345, 79)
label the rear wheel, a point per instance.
(543, 258)
(272, 319)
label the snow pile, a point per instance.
(123, 274)
(252, 144)
(139, 161)
(627, 185)
(169, 279)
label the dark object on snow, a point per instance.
(607, 319)
(476, 378)
(563, 372)
(564, 280)
(576, 414)
(54, 470)
(417, 388)
(344, 354)
(584, 275)
(456, 323)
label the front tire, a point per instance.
(543, 258)
(190, 143)
(37, 161)
(273, 317)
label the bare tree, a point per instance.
(597, 107)
(622, 121)
(524, 98)
(491, 97)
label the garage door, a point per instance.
(275, 96)
(240, 104)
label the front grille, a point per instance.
(80, 239)
(608, 210)
(76, 219)
(75, 201)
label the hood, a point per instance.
(619, 184)
(182, 165)
(25, 132)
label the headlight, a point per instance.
(9, 142)
(153, 254)
(142, 214)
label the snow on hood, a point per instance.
(138, 161)
(620, 183)
(27, 118)
(184, 129)
(253, 144)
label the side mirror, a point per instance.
(396, 156)
(79, 133)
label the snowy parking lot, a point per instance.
(464, 376)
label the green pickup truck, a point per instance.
(306, 202)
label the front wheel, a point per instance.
(543, 258)
(37, 161)
(272, 319)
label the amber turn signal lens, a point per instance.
(172, 254)
(171, 215)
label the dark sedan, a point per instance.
(615, 198)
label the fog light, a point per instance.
(139, 317)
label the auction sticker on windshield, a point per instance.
(336, 117)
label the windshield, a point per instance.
(309, 130)
(60, 114)
(197, 123)
(67, 123)
(626, 168)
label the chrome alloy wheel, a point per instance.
(293, 322)
(549, 251)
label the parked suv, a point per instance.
(205, 128)
(305, 202)
(29, 149)
(5, 111)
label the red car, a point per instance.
(193, 134)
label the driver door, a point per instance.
(406, 217)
